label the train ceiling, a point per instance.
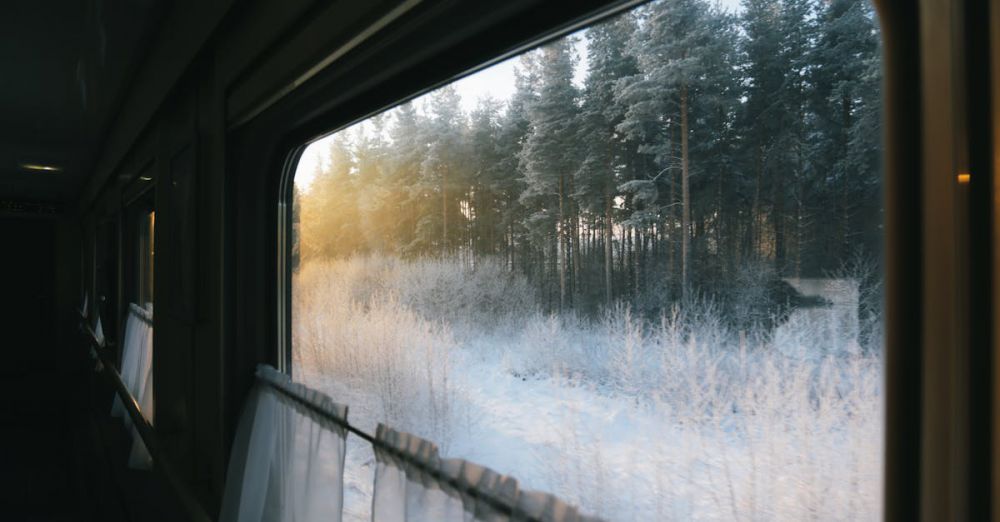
(66, 65)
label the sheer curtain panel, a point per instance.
(413, 484)
(287, 460)
(137, 374)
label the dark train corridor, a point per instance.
(61, 457)
(40, 386)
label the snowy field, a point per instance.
(631, 419)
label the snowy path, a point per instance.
(625, 462)
(550, 435)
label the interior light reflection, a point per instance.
(40, 168)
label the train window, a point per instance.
(145, 254)
(138, 250)
(638, 267)
(106, 271)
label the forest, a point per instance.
(703, 152)
(587, 284)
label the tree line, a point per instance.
(703, 151)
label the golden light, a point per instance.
(963, 179)
(40, 168)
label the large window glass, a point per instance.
(139, 252)
(145, 255)
(638, 267)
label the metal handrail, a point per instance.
(184, 495)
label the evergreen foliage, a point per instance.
(700, 147)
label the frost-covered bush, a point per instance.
(561, 344)
(381, 352)
(481, 295)
(632, 418)
(715, 429)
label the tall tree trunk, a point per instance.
(508, 247)
(607, 248)
(799, 196)
(621, 280)
(636, 256)
(626, 260)
(686, 195)
(778, 192)
(576, 254)
(444, 212)
(845, 183)
(755, 209)
(717, 221)
(672, 217)
(561, 236)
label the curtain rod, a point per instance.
(143, 314)
(503, 507)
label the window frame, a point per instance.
(265, 150)
(136, 212)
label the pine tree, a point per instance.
(716, 177)
(603, 158)
(763, 112)
(846, 100)
(374, 186)
(800, 32)
(329, 210)
(547, 159)
(672, 47)
(731, 140)
(442, 175)
(509, 183)
(486, 176)
(409, 146)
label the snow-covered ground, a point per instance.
(627, 418)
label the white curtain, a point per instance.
(137, 374)
(413, 484)
(98, 330)
(287, 461)
(405, 487)
(129, 341)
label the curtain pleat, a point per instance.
(128, 341)
(413, 484)
(137, 375)
(287, 461)
(287, 464)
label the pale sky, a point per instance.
(496, 81)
